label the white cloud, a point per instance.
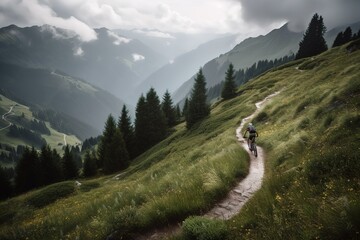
(137, 57)
(32, 12)
(58, 33)
(78, 52)
(117, 39)
(165, 17)
(154, 33)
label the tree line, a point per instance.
(36, 169)
(27, 135)
(345, 37)
(233, 79)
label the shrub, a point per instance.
(200, 228)
(50, 194)
(86, 187)
(261, 117)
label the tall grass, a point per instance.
(311, 135)
(183, 175)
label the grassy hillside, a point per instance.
(21, 116)
(310, 132)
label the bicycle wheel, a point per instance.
(255, 150)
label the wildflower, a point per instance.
(278, 198)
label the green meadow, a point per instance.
(55, 139)
(310, 134)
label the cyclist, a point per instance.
(252, 134)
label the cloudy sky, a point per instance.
(249, 17)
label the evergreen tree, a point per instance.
(156, 124)
(348, 35)
(106, 139)
(90, 167)
(116, 156)
(5, 185)
(141, 121)
(339, 40)
(49, 167)
(168, 109)
(127, 130)
(198, 107)
(69, 167)
(313, 42)
(229, 89)
(27, 171)
(177, 113)
(185, 108)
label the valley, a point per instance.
(21, 115)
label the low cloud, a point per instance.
(137, 57)
(153, 33)
(118, 39)
(78, 52)
(32, 12)
(299, 13)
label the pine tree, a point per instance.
(156, 125)
(69, 167)
(27, 171)
(5, 185)
(313, 42)
(177, 113)
(141, 122)
(339, 40)
(106, 139)
(51, 171)
(198, 108)
(185, 108)
(348, 35)
(90, 167)
(229, 88)
(116, 156)
(168, 109)
(127, 130)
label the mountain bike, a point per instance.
(252, 147)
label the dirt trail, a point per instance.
(245, 189)
(4, 118)
(238, 196)
(65, 143)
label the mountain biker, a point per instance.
(252, 134)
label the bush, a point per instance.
(261, 117)
(50, 194)
(200, 228)
(86, 187)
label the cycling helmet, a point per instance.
(250, 124)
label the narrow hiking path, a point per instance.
(4, 118)
(238, 196)
(245, 189)
(65, 143)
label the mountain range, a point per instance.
(112, 62)
(171, 76)
(276, 44)
(60, 92)
(60, 68)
